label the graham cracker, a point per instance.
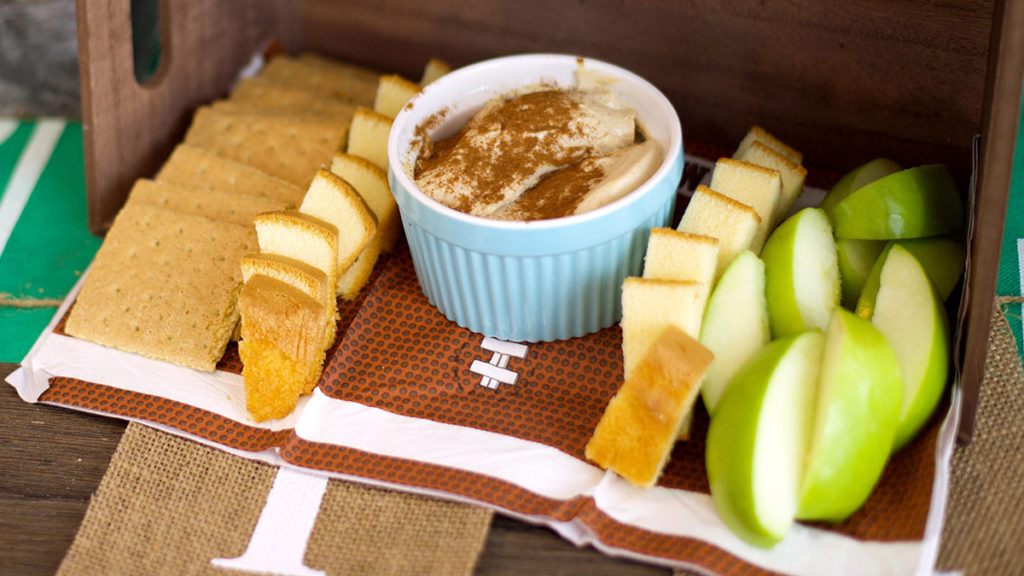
(214, 204)
(256, 109)
(262, 94)
(200, 168)
(164, 285)
(347, 82)
(291, 148)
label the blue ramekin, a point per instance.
(530, 281)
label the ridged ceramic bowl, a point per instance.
(530, 281)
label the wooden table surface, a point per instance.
(52, 460)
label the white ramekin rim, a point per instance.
(431, 101)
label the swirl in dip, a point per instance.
(541, 153)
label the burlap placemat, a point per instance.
(168, 506)
(984, 527)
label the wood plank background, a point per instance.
(843, 81)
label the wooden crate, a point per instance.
(844, 81)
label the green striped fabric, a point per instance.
(1011, 260)
(44, 240)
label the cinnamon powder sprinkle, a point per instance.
(556, 195)
(534, 127)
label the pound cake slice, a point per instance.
(674, 255)
(793, 175)
(332, 199)
(433, 70)
(164, 285)
(301, 237)
(639, 427)
(368, 136)
(732, 223)
(392, 93)
(282, 346)
(199, 168)
(371, 181)
(649, 305)
(299, 275)
(759, 134)
(753, 185)
(291, 148)
(358, 274)
(214, 204)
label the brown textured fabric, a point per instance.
(984, 527)
(168, 506)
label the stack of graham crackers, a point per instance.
(199, 254)
(663, 310)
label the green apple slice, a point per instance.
(910, 314)
(757, 440)
(912, 203)
(856, 258)
(857, 411)
(943, 260)
(858, 178)
(735, 324)
(801, 273)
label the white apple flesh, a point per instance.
(857, 411)
(735, 324)
(757, 441)
(802, 282)
(909, 311)
(942, 260)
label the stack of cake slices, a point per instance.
(662, 311)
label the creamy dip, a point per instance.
(544, 153)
